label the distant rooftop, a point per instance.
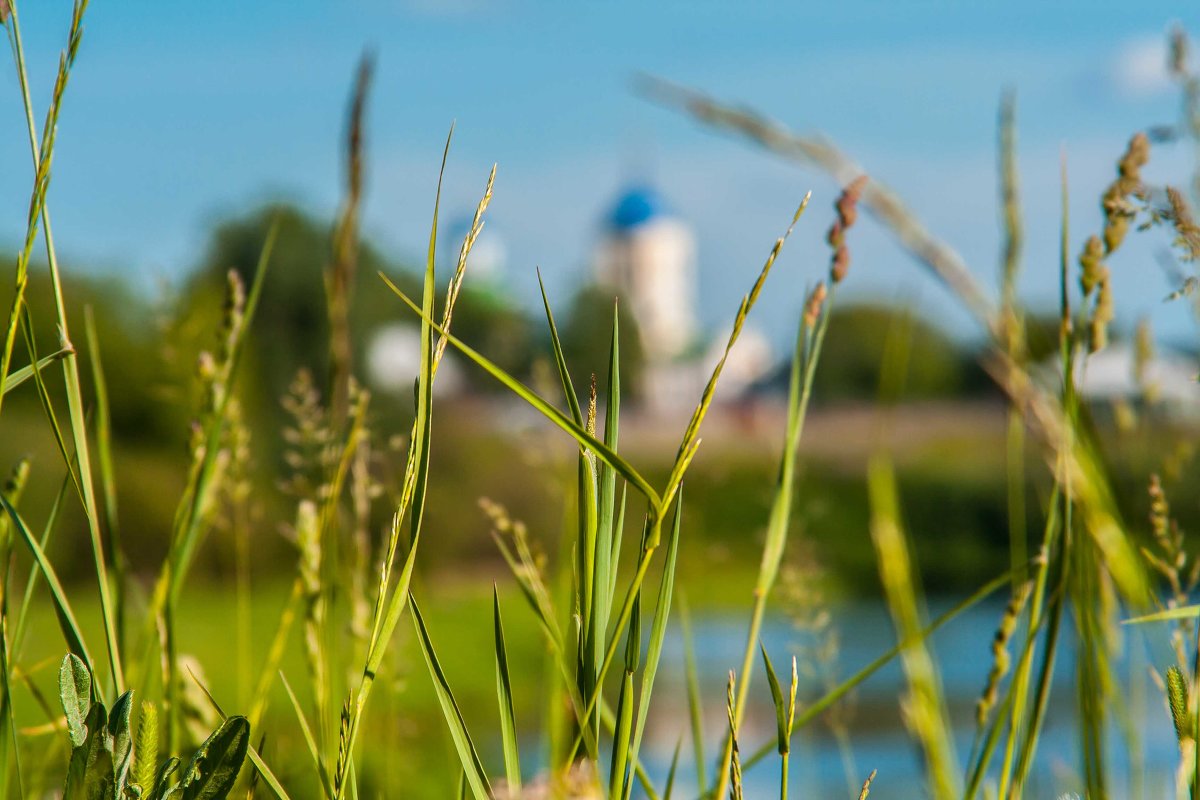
(636, 206)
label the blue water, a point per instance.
(878, 738)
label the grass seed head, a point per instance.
(1102, 314)
(1001, 660)
(1091, 262)
(812, 308)
(1118, 210)
(866, 790)
(1177, 698)
(847, 213)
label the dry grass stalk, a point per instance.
(882, 202)
(339, 277)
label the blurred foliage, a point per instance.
(855, 348)
(292, 327)
(151, 345)
(587, 338)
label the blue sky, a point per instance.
(181, 113)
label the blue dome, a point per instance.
(637, 206)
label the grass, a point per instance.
(326, 662)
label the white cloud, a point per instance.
(1140, 68)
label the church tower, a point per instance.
(647, 255)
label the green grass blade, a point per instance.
(314, 752)
(19, 376)
(275, 653)
(31, 582)
(669, 787)
(930, 724)
(62, 607)
(423, 424)
(1183, 612)
(695, 703)
(455, 723)
(609, 520)
(658, 634)
(508, 718)
(560, 360)
(602, 451)
(690, 436)
(108, 475)
(777, 699)
(620, 747)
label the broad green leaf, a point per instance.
(121, 736)
(214, 768)
(75, 693)
(90, 770)
(162, 779)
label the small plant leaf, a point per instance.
(90, 770)
(162, 779)
(121, 736)
(75, 692)
(781, 711)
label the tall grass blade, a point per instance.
(926, 712)
(658, 634)
(472, 766)
(695, 702)
(108, 475)
(669, 786)
(42, 155)
(313, 751)
(508, 718)
(62, 607)
(690, 437)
